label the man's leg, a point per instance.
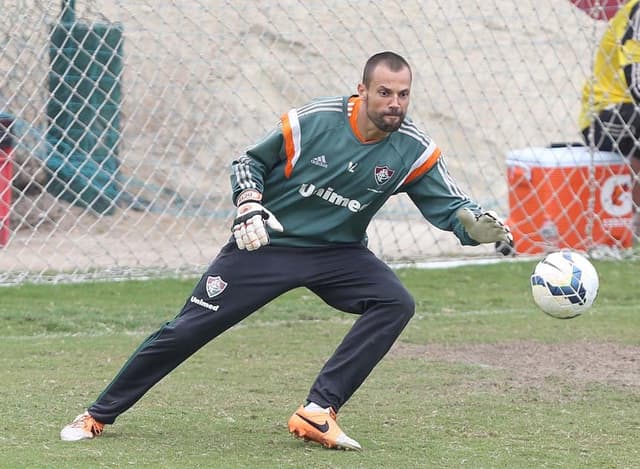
(617, 128)
(364, 285)
(355, 281)
(236, 284)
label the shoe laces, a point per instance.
(87, 422)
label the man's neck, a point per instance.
(365, 130)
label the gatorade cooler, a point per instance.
(568, 197)
(6, 175)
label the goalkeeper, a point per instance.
(305, 195)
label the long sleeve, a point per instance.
(250, 169)
(438, 198)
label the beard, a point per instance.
(384, 126)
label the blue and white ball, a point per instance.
(564, 284)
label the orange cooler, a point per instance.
(568, 197)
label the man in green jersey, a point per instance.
(305, 195)
(610, 114)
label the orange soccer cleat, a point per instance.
(320, 426)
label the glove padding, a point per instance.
(486, 227)
(249, 228)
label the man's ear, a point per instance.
(362, 91)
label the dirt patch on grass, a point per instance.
(577, 363)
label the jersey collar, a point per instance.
(353, 109)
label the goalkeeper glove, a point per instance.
(486, 227)
(249, 229)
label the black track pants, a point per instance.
(237, 283)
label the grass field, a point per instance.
(479, 379)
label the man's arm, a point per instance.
(630, 55)
(248, 173)
(445, 205)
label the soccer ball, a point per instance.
(564, 284)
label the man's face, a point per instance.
(387, 97)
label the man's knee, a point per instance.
(406, 305)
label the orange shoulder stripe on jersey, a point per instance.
(424, 167)
(289, 145)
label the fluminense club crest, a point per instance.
(215, 285)
(383, 174)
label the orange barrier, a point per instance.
(568, 197)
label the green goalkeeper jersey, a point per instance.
(325, 183)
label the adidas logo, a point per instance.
(320, 161)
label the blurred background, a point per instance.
(119, 121)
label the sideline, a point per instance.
(448, 263)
